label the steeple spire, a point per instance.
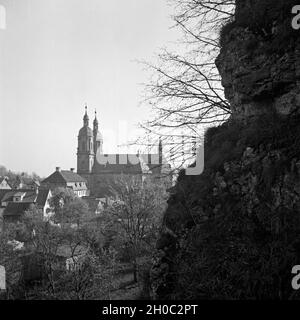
(97, 136)
(86, 117)
(96, 120)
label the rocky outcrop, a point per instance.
(234, 231)
(260, 59)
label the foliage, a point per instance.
(61, 261)
(50, 246)
(91, 279)
(136, 216)
(13, 177)
(244, 238)
(68, 208)
(9, 258)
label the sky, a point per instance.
(57, 55)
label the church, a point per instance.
(100, 170)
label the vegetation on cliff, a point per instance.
(233, 232)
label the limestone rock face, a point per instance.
(234, 231)
(260, 59)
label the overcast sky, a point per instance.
(57, 55)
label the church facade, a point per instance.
(100, 170)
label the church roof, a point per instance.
(86, 131)
(129, 164)
(64, 176)
(122, 165)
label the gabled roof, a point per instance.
(3, 193)
(3, 178)
(42, 197)
(64, 176)
(30, 196)
(16, 208)
(70, 176)
(29, 181)
(19, 194)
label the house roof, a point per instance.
(3, 193)
(3, 178)
(30, 196)
(16, 208)
(29, 181)
(64, 176)
(19, 194)
(42, 197)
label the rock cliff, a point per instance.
(234, 231)
(259, 59)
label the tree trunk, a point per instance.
(135, 272)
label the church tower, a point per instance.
(97, 137)
(85, 150)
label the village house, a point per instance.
(25, 183)
(14, 203)
(4, 184)
(68, 180)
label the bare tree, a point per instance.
(67, 261)
(185, 91)
(137, 210)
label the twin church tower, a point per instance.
(101, 176)
(89, 143)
